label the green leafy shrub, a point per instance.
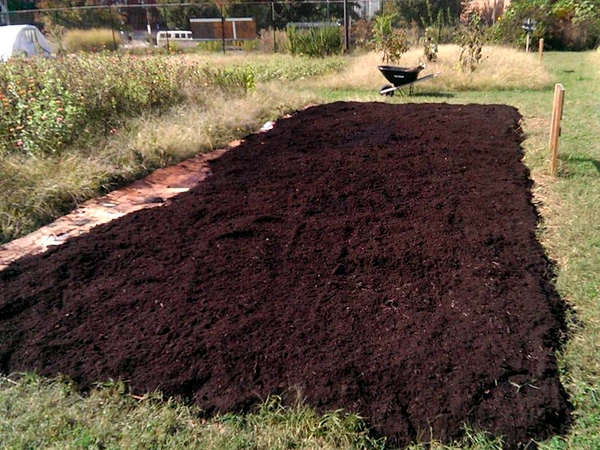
(314, 42)
(46, 104)
(36, 115)
(210, 46)
(242, 77)
(94, 40)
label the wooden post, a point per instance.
(557, 111)
(541, 48)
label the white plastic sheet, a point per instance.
(22, 40)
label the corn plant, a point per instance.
(430, 49)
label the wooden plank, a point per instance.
(557, 112)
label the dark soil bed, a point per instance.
(379, 258)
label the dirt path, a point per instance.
(379, 258)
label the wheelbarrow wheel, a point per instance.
(384, 87)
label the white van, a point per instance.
(180, 38)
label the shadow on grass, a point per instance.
(585, 160)
(434, 94)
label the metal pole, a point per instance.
(346, 27)
(5, 11)
(112, 26)
(527, 44)
(222, 29)
(167, 30)
(273, 25)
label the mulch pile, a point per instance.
(379, 258)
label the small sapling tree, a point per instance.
(471, 44)
(393, 43)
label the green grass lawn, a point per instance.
(38, 413)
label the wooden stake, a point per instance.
(541, 48)
(557, 111)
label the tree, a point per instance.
(425, 13)
(564, 24)
(73, 17)
(20, 5)
(178, 17)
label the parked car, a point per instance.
(22, 40)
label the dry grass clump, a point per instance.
(185, 130)
(94, 40)
(37, 190)
(502, 68)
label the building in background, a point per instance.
(489, 10)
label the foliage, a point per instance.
(235, 77)
(314, 42)
(217, 46)
(308, 11)
(75, 18)
(282, 69)
(177, 17)
(564, 24)
(46, 104)
(426, 13)
(471, 44)
(20, 5)
(93, 40)
(393, 43)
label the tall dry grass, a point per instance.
(93, 40)
(187, 130)
(502, 68)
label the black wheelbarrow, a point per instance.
(401, 77)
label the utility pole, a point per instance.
(346, 27)
(4, 15)
(148, 26)
(112, 26)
